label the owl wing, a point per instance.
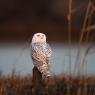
(41, 54)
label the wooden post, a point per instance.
(39, 86)
(37, 77)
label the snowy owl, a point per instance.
(41, 54)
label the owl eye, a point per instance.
(38, 35)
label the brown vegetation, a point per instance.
(17, 85)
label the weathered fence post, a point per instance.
(37, 82)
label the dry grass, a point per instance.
(84, 83)
(86, 28)
(17, 85)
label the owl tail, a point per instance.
(44, 69)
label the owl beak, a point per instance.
(41, 37)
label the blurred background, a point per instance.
(20, 19)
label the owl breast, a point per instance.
(41, 51)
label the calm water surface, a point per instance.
(17, 55)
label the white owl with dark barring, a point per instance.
(41, 54)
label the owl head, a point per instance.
(39, 37)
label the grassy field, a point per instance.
(17, 85)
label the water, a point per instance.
(17, 55)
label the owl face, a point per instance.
(39, 37)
